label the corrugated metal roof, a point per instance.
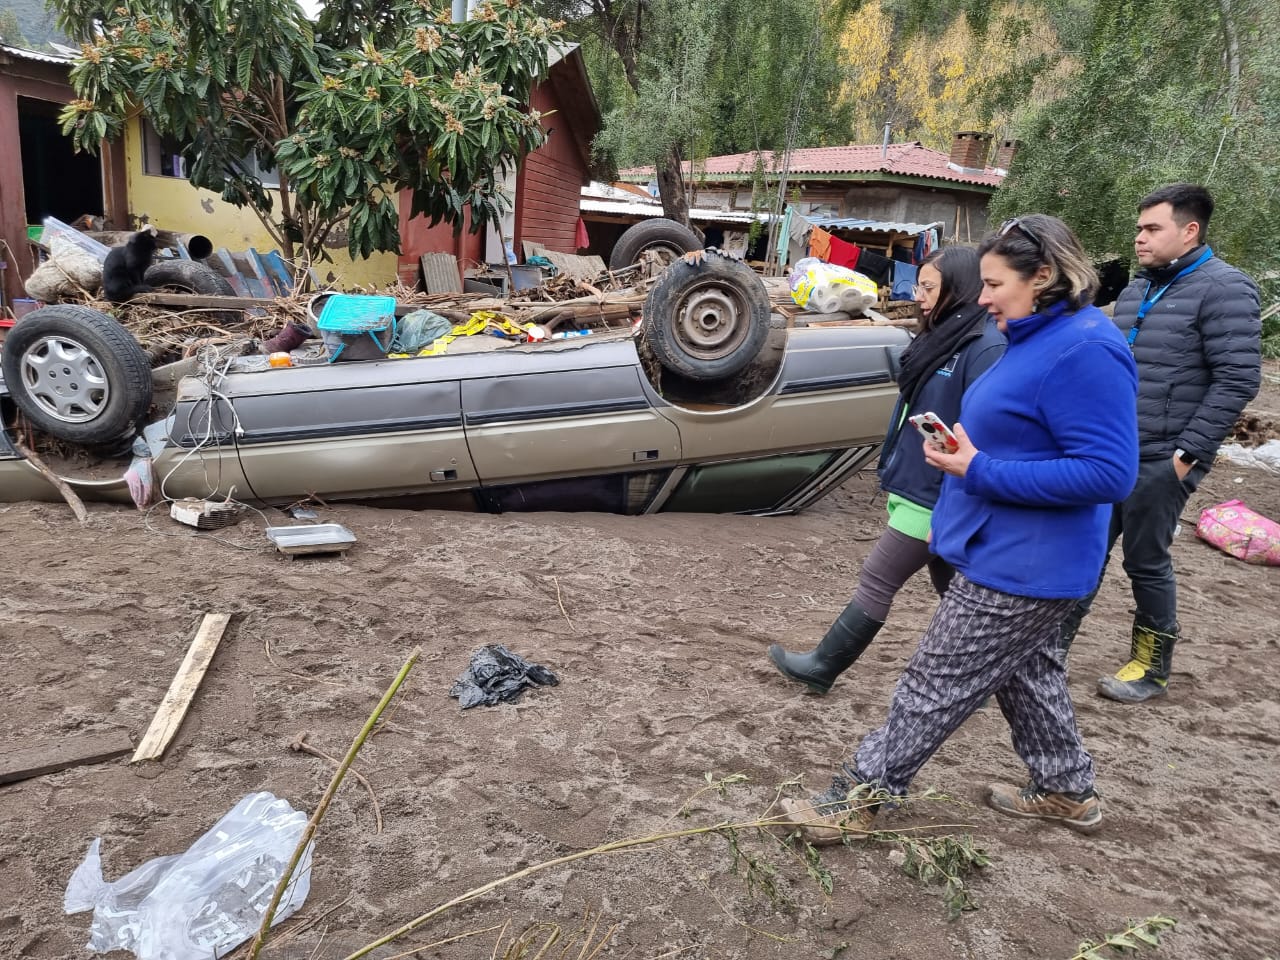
(875, 226)
(32, 55)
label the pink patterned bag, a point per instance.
(1235, 529)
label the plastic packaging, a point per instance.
(56, 230)
(566, 334)
(204, 902)
(825, 288)
(496, 674)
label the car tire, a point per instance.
(77, 374)
(187, 276)
(667, 238)
(707, 320)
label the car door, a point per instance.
(353, 430)
(543, 425)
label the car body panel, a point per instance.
(593, 420)
(576, 425)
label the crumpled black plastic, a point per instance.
(496, 674)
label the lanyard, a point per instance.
(1150, 301)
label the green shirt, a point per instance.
(909, 518)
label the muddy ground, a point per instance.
(657, 627)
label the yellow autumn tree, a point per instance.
(930, 86)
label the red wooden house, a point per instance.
(547, 184)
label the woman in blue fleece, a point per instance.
(1048, 439)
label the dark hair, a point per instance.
(1036, 240)
(1188, 201)
(961, 282)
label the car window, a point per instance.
(627, 493)
(740, 486)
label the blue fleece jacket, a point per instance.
(1055, 424)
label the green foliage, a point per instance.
(1271, 331)
(723, 76)
(432, 106)
(1139, 934)
(10, 29)
(1166, 90)
(946, 860)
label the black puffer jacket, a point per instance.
(1198, 352)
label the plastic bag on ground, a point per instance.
(825, 288)
(496, 674)
(204, 902)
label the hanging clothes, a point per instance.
(820, 244)
(904, 281)
(844, 254)
(580, 238)
(874, 265)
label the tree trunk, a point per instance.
(670, 172)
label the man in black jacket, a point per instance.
(1194, 326)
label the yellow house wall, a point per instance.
(170, 203)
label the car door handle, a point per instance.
(440, 475)
(640, 456)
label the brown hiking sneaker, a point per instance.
(829, 817)
(1079, 811)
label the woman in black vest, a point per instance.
(956, 344)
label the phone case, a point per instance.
(930, 426)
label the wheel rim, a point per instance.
(65, 379)
(711, 320)
(664, 252)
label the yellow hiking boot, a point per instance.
(1146, 675)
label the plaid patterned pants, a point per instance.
(980, 642)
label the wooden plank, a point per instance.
(183, 689)
(168, 299)
(52, 755)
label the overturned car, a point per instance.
(712, 404)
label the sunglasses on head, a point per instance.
(1017, 223)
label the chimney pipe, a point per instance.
(884, 147)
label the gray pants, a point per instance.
(893, 561)
(980, 642)
(1147, 520)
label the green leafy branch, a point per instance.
(1139, 934)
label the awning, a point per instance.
(873, 226)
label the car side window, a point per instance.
(742, 486)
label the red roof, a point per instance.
(903, 159)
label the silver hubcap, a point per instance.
(65, 379)
(711, 321)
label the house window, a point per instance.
(161, 155)
(270, 179)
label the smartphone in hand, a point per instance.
(936, 433)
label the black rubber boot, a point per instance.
(1146, 675)
(852, 632)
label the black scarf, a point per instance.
(927, 352)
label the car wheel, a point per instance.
(187, 276)
(77, 374)
(707, 320)
(666, 238)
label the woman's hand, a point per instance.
(956, 464)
